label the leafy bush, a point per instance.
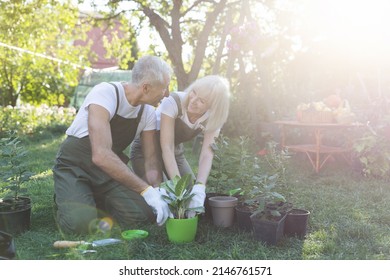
(28, 119)
(277, 160)
(373, 150)
(13, 165)
(237, 167)
(234, 166)
(223, 166)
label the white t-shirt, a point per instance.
(104, 95)
(169, 107)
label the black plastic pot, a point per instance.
(269, 232)
(296, 223)
(18, 220)
(7, 246)
(243, 217)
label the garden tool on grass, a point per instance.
(86, 251)
(134, 234)
(96, 243)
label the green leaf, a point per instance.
(275, 213)
(182, 184)
(179, 195)
(234, 191)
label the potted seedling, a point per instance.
(246, 207)
(180, 228)
(268, 219)
(15, 210)
(251, 199)
(227, 175)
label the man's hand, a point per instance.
(153, 198)
(199, 191)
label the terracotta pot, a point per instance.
(222, 209)
(207, 208)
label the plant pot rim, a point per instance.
(27, 205)
(255, 217)
(298, 211)
(224, 198)
(223, 201)
(20, 197)
(176, 219)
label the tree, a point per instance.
(39, 63)
(186, 28)
(195, 34)
(218, 37)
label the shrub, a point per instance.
(28, 119)
(373, 150)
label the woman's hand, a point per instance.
(199, 191)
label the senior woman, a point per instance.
(201, 108)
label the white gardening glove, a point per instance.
(153, 198)
(163, 191)
(198, 199)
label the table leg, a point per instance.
(317, 133)
(282, 136)
(313, 162)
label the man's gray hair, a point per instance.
(150, 69)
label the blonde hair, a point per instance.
(216, 91)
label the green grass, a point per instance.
(349, 221)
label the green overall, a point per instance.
(183, 133)
(78, 182)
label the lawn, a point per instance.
(349, 220)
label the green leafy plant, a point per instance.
(373, 150)
(179, 196)
(277, 160)
(270, 204)
(236, 191)
(13, 166)
(247, 166)
(233, 166)
(220, 175)
(28, 119)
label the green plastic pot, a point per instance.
(181, 230)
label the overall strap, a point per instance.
(140, 113)
(178, 103)
(117, 97)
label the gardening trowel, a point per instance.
(96, 243)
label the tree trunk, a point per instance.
(200, 49)
(222, 43)
(174, 43)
